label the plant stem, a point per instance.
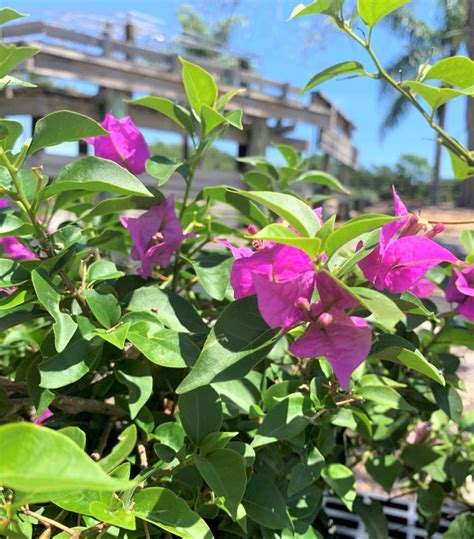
(48, 522)
(447, 140)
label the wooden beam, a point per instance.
(45, 100)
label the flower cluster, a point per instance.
(290, 290)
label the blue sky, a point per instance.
(283, 51)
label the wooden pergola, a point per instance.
(120, 69)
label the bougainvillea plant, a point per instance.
(164, 372)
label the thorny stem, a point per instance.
(447, 140)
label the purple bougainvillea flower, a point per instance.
(12, 248)
(402, 258)
(342, 339)
(43, 417)
(125, 144)
(278, 275)
(156, 235)
(460, 290)
(15, 250)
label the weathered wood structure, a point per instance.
(117, 69)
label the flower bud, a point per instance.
(437, 229)
(252, 229)
(325, 319)
(303, 305)
(419, 433)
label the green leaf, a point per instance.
(341, 480)
(290, 208)
(226, 98)
(373, 517)
(214, 441)
(237, 342)
(169, 109)
(234, 118)
(224, 194)
(161, 168)
(8, 14)
(467, 239)
(384, 310)
(12, 273)
(371, 11)
(224, 471)
(462, 171)
(321, 178)
(127, 440)
(399, 350)
(210, 119)
(435, 97)
(462, 527)
(171, 309)
(136, 376)
(70, 365)
(265, 504)
(117, 336)
(48, 462)
(64, 326)
(200, 413)
(117, 517)
(164, 347)
(284, 421)
(430, 500)
(199, 85)
(337, 70)
(11, 56)
(292, 156)
(354, 228)
(306, 473)
(455, 70)
(448, 399)
(282, 234)
(103, 305)
(318, 7)
(77, 435)
(103, 270)
(63, 126)
(384, 469)
(386, 396)
(13, 132)
(11, 225)
(164, 509)
(213, 273)
(96, 175)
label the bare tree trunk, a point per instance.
(441, 114)
(467, 188)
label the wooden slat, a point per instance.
(44, 100)
(66, 64)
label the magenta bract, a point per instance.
(124, 145)
(402, 258)
(156, 235)
(460, 290)
(342, 339)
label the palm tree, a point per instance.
(426, 44)
(203, 39)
